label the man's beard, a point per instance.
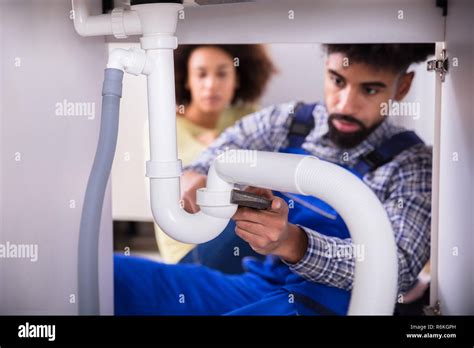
(348, 139)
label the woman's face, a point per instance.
(212, 79)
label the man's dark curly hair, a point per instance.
(253, 71)
(393, 57)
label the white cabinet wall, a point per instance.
(46, 154)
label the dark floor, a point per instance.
(136, 235)
(414, 308)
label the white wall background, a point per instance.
(422, 92)
(300, 76)
(130, 197)
(56, 155)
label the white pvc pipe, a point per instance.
(132, 60)
(175, 221)
(375, 279)
(158, 18)
(124, 22)
(165, 195)
(376, 274)
(162, 106)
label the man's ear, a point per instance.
(403, 85)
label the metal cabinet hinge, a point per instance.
(439, 65)
(432, 310)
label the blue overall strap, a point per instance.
(301, 125)
(386, 152)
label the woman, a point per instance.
(215, 86)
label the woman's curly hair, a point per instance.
(253, 71)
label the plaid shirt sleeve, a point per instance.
(408, 205)
(263, 130)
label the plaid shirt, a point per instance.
(402, 185)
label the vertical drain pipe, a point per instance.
(132, 61)
(88, 255)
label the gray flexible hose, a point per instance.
(88, 255)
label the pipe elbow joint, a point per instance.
(178, 223)
(168, 211)
(80, 28)
(214, 199)
(132, 60)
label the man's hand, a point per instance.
(190, 182)
(268, 231)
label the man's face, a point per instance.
(353, 94)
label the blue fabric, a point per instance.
(145, 287)
(303, 117)
(224, 253)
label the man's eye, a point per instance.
(337, 81)
(370, 91)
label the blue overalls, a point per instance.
(292, 294)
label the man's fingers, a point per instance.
(256, 242)
(189, 205)
(250, 227)
(278, 205)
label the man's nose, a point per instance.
(348, 103)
